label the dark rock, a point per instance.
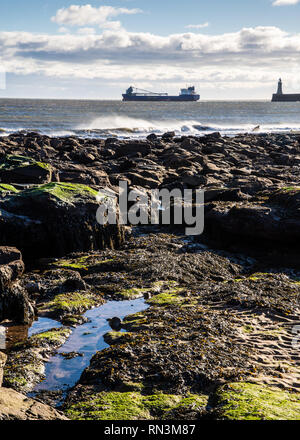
(225, 194)
(152, 137)
(3, 358)
(145, 182)
(115, 323)
(133, 148)
(273, 224)
(19, 169)
(168, 135)
(111, 141)
(71, 355)
(54, 220)
(127, 165)
(14, 302)
(192, 180)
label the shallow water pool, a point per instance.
(86, 339)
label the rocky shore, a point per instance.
(219, 339)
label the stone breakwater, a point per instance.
(219, 339)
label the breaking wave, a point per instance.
(123, 127)
(132, 127)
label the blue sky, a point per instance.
(94, 49)
(160, 16)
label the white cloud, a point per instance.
(63, 30)
(76, 15)
(285, 2)
(247, 57)
(86, 31)
(197, 26)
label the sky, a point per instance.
(228, 49)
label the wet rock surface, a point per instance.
(54, 220)
(3, 358)
(16, 406)
(25, 365)
(221, 327)
(14, 301)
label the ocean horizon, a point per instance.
(103, 118)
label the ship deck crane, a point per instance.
(134, 90)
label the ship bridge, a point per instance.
(188, 91)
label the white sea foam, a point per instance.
(123, 126)
(101, 119)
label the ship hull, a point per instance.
(185, 98)
(286, 97)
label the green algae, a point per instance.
(257, 276)
(171, 297)
(73, 264)
(54, 336)
(132, 406)
(165, 284)
(132, 386)
(12, 162)
(25, 365)
(14, 382)
(133, 293)
(167, 402)
(248, 329)
(5, 187)
(157, 286)
(45, 166)
(247, 401)
(81, 264)
(135, 321)
(66, 192)
(291, 188)
(73, 302)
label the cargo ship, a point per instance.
(284, 97)
(134, 94)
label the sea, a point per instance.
(101, 119)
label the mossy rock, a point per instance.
(78, 264)
(248, 401)
(56, 336)
(22, 169)
(132, 406)
(135, 322)
(253, 277)
(291, 189)
(70, 303)
(85, 264)
(25, 365)
(114, 337)
(11, 161)
(6, 188)
(66, 192)
(170, 297)
(133, 293)
(54, 220)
